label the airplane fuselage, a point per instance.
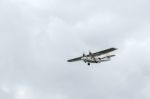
(94, 59)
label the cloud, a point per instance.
(37, 37)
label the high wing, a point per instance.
(75, 59)
(103, 52)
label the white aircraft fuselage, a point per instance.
(91, 59)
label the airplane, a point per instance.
(96, 57)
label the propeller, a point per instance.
(90, 53)
(84, 55)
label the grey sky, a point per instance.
(38, 36)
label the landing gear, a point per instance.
(89, 64)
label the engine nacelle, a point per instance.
(90, 53)
(84, 55)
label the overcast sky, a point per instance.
(38, 36)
